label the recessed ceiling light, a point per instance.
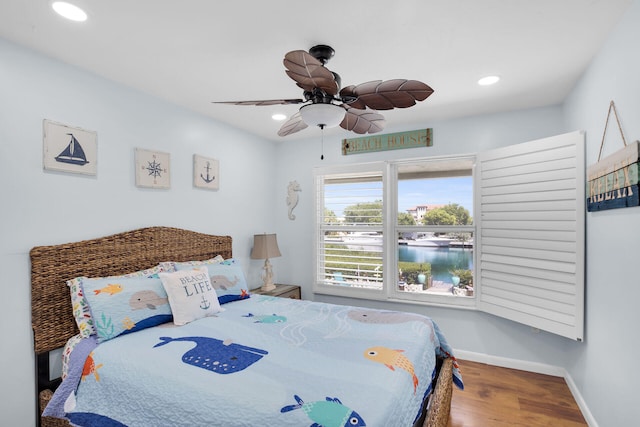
(279, 117)
(69, 11)
(488, 81)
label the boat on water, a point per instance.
(375, 239)
(431, 241)
(365, 238)
(73, 153)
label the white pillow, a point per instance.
(191, 295)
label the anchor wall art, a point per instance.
(206, 172)
(69, 149)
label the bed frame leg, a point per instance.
(439, 405)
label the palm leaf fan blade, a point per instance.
(293, 125)
(362, 121)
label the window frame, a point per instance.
(354, 170)
(393, 292)
(389, 172)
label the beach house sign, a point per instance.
(390, 141)
(613, 181)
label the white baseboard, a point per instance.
(504, 362)
(588, 417)
(540, 368)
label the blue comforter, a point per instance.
(262, 361)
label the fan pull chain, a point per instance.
(321, 142)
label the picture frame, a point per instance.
(152, 169)
(206, 172)
(69, 149)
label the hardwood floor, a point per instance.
(496, 397)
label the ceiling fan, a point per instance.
(327, 105)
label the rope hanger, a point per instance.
(612, 106)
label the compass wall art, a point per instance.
(206, 172)
(152, 169)
(69, 149)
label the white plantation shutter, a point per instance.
(531, 233)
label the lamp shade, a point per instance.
(323, 115)
(265, 246)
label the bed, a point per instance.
(257, 361)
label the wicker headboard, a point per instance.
(51, 267)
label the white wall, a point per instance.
(42, 208)
(605, 369)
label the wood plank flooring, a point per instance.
(497, 397)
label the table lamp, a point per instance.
(265, 246)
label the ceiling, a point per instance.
(193, 52)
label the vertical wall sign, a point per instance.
(390, 141)
(206, 173)
(69, 149)
(613, 181)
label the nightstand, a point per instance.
(282, 291)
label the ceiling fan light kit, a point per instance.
(322, 115)
(326, 105)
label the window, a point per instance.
(434, 225)
(351, 229)
(507, 237)
(420, 211)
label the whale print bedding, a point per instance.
(261, 361)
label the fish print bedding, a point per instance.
(261, 361)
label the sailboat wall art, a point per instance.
(69, 149)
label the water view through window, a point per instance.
(442, 260)
(433, 226)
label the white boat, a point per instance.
(431, 241)
(366, 238)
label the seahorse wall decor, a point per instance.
(292, 197)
